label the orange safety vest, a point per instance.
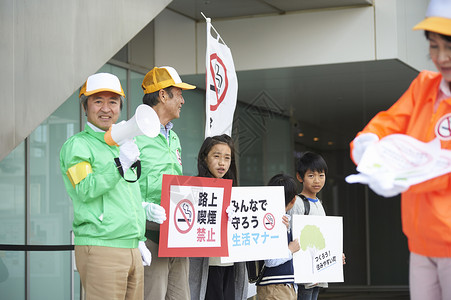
(425, 207)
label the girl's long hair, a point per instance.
(209, 142)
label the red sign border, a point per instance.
(168, 181)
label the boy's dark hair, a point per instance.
(288, 182)
(310, 161)
(209, 142)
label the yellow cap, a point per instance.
(163, 77)
(102, 82)
(438, 18)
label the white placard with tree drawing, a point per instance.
(320, 257)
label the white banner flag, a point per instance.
(222, 85)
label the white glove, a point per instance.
(154, 212)
(381, 184)
(145, 253)
(361, 143)
(385, 190)
(128, 154)
(230, 213)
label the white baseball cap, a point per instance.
(101, 82)
(438, 18)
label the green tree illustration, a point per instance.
(312, 239)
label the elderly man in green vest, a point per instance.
(167, 277)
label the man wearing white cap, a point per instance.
(424, 112)
(109, 220)
(166, 278)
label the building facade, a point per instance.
(308, 80)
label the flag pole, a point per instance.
(208, 20)
(208, 80)
(221, 84)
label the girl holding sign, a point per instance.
(208, 278)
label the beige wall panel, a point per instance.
(300, 39)
(55, 46)
(142, 51)
(413, 46)
(387, 30)
(394, 35)
(175, 42)
(6, 78)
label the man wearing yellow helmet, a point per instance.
(109, 220)
(167, 277)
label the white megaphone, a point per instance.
(145, 121)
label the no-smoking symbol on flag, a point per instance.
(184, 216)
(220, 84)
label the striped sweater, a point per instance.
(281, 274)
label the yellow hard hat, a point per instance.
(163, 77)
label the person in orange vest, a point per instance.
(424, 112)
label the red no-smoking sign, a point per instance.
(195, 207)
(220, 85)
(269, 221)
(184, 216)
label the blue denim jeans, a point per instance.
(307, 294)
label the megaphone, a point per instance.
(144, 122)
